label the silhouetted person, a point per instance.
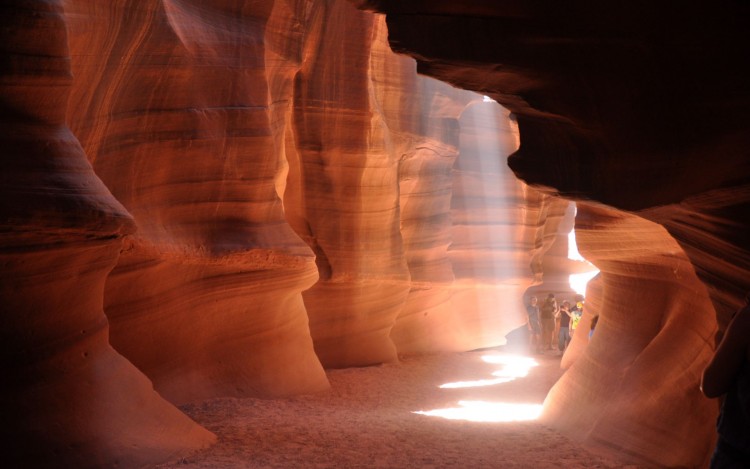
(535, 329)
(728, 374)
(547, 312)
(576, 311)
(563, 336)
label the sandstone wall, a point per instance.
(183, 109)
(349, 185)
(633, 385)
(640, 108)
(375, 197)
(249, 191)
(68, 399)
(502, 230)
(612, 109)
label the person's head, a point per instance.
(533, 301)
(551, 296)
(566, 304)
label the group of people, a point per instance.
(550, 320)
(727, 375)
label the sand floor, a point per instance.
(367, 420)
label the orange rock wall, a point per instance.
(374, 197)
(182, 108)
(250, 191)
(648, 117)
(349, 185)
(68, 399)
(501, 229)
(647, 352)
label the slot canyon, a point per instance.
(227, 198)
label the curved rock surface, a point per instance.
(611, 108)
(349, 193)
(641, 107)
(68, 399)
(183, 109)
(375, 198)
(633, 385)
(289, 194)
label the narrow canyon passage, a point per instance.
(227, 210)
(368, 419)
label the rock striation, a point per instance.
(68, 398)
(376, 170)
(183, 109)
(250, 191)
(221, 199)
(641, 108)
(636, 377)
(349, 203)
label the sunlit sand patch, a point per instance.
(476, 383)
(514, 366)
(483, 411)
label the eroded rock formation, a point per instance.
(349, 185)
(286, 196)
(611, 108)
(633, 385)
(68, 399)
(641, 108)
(183, 109)
(274, 191)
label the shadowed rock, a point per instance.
(639, 106)
(69, 400)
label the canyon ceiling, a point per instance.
(225, 198)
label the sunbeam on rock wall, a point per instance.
(649, 117)
(234, 195)
(487, 210)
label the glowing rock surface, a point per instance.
(648, 117)
(250, 191)
(253, 191)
